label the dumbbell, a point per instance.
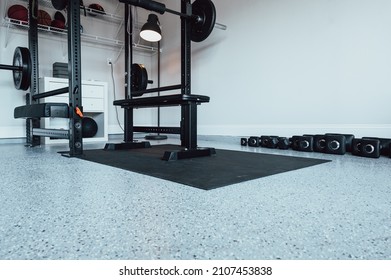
(302, 143)
(371, 147)
(283, 143)
(319, 142)
(269, 141)
(253, 141)
(385, 145)
(332, 143)
(243, 141)
(336, 140)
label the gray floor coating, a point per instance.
(54, 207)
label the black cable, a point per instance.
(115, 98)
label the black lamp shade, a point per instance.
(151, 31)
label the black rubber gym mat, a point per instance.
(225, 168)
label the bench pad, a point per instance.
(165, 100)
(42, 110)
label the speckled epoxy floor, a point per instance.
(54, 207)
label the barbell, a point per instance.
(21, 68)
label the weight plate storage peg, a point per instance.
(22, 60)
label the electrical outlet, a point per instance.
(109, 62)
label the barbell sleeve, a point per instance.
(10, 67)
(51, 93)
(220, 26)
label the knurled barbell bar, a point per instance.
(21, 68)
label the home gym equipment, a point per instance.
(21, 68)
(283, 143)
(335, 144)
(44, 18)
(302, 143)
(371, 147)
(96, 9)
(196, 27)
(26, 74)
(90, 127)
(366, 147)
(58, 24)
(243, 141)
(319, 142)
(348, 140)
(269, 141)
(62, 4)
(201, 14)
(60, 70)
(329, 143)
(18, 12)
(385, 145)
(139, 79)
(60, 17)
(254, 141)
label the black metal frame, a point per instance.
(33, 130)
(32, 124)
(188, 103)
(75, 88)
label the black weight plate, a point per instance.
(60, 4)
(22, 78)
(59, 16)
(139, 78)
(205, 9)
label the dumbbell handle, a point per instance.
(10, 67)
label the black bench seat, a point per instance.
(42, 110)
(164, 100)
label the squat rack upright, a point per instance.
(33, 111)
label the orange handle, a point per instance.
(79, 112)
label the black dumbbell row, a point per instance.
(329, 143)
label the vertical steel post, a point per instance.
(32, 140)
(188, 111)
(128, 113)
(74, 69)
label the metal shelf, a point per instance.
(96, 40)
(90, 12)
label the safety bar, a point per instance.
(50, 93)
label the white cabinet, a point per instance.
(94, 102)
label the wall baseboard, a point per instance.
(12, 132)
(359, 130)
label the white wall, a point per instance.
(287, 67)
(282, 67)
(54, 48)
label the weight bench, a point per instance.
(167, 100)
(42, 110)
(188, 129)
